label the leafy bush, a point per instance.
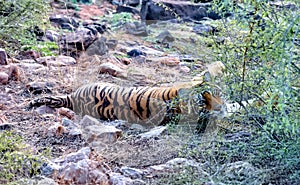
(259, 144)
(260, 55)
(18, 19)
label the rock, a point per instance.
(39, 87)
(82, 167)
(52, 36)
(136, 28)
(56, 61)
(31, 54)
(133, 3)
(3, 57)
(34, 67)
(112, 44)
(203, 29)
(14, 73)
(154, 10)
(127, 9)
(72, 43)
(67, 26)
(81, 154)
(170, 61)
(112, 69)
(135, 53)
(240, 170)
(67, 113)
(46, 181)
(118, 179)
(133, 173)
(56, 130)
(98, 47)
(71, 127)
(165, 37)
(62, 61)
(44, 110)
(126, 61)
(284, 5)
(184, 69)
(62, 19)
(154, 133)
(140, 59)
(96, 133)
(3, 78)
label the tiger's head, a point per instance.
(201, 105)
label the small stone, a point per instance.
(67, 113)
(140, 59)
(184, 69)
(126, 61)
(170, 61)
(3, 78)
(112, 70)
(56, 130)
(135, 53)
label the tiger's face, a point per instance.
(214, 105)
(196, 105)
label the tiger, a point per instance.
(149, 106)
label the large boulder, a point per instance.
(154, 10)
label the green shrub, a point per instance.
(16, 159)
(18, 18)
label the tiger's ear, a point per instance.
(211, 102)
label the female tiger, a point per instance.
(144, 105)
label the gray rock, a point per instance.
(56, 61)
(165, 37)
(203, 29)
(133, 173)
(62, 19)
(136, 28)
(155, 132)
(3, 57)
(98, 47)
(97, 133)
(112, 69)
(52, 36)
(118, 179)
(4, 78)
(39, 87)
(154, 10)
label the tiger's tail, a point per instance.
(52, 101)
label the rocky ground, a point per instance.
(94, 47)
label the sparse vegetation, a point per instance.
(16, 159)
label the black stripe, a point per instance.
(163, 95)
(138, 102)
(147, 105)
